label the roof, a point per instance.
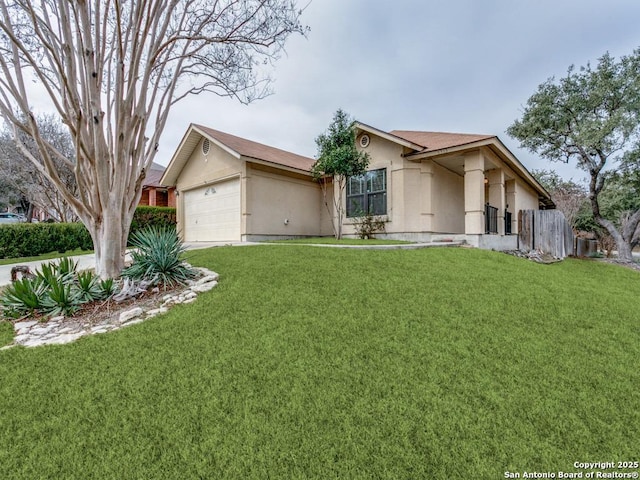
(430, 144)
(154, 174)
(259, 151)
(236, 146)
(433, 141)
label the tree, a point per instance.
(338, 159)
(618, 199)
(570, 197)
(592, 116)
(24, 183)
(112, 70)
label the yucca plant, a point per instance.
(156, 254)
(107, 287)
(89, 287)
(61, 298)
(22, 297)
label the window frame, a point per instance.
(366, 192)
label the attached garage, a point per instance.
(230, 189)
(212, 212)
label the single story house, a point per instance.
(426, 186)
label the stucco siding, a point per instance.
(526, 197)
(387, 155)
(282, 205)
(202, 170)
(447, 201)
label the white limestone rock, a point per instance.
(207, 279)
(62, 339)
(133, 322)
(205, 287)
(157, 311)
(129, 314)
(20, 326)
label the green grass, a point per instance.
(342, 241)
(330, 363)
(44, 256)
(6, 333)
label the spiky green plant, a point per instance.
(67, 267)
(157, 252)
(89, 287)
(22, 297)
(107, 287)
(61, 298)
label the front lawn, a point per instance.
(330, 363)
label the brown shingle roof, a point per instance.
(153, 177)
(432, 141)
(256, 150)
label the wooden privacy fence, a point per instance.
(545, 230)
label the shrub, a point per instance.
(366, 225)
(146, 216)
(157, 255)
(32, 239)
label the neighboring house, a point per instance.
(426, 186)
(153, 193)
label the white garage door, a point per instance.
(212, 213)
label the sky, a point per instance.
(464, 66)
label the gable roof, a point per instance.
(153, 176)
(433, 141)
(236, 146)
(430, 144)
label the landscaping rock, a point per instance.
(24, 325)
(129, 314)
(205, 287)
(60, 330)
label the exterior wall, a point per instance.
(282, 204)
(202, 169)
(448, 201)
(388, 155)
(158, 197)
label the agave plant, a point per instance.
(61, 298)
(22, 297)
(89, 287)
(157, 253)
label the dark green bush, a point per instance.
(32, 239)
(159, 217)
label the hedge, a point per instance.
(33, 239)
(153, 216)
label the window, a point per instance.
(367, 193)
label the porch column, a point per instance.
(474, 193)
(426, 189)
(497, 195)
(511, 204)
(152, 197)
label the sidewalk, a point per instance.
(87, 261)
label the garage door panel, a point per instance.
(212, 213)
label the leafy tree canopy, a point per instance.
(337, 152)
(592, 117)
